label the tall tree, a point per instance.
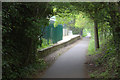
(22, 25)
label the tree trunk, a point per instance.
(96, 35)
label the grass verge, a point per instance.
(91, 47)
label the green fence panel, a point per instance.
(54, 34)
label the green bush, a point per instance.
(107, 63)
(85, 31)
(24, 71)
(21, 28)
(45, 44)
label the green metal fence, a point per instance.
(54, 34)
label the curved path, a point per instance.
(71, 64)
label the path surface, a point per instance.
(71, 64)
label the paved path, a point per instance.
(71, 63)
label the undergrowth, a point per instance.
(33, 68)
(107, 64)
(25, 71)
(45, 44)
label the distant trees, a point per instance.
(102, 13)
(105, 15)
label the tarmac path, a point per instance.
(71, 64)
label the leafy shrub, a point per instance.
(108, 62)
(16, 72)
(45, 44)
(22, 25)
